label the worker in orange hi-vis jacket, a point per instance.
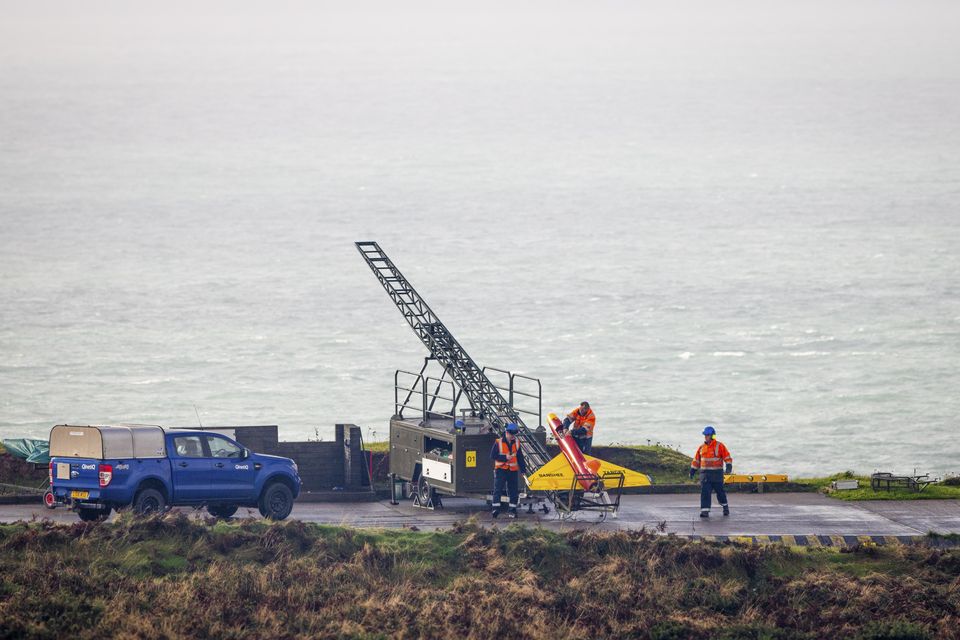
(711, 459)
(508, 464)
(581, 422)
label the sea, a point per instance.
(743, 214)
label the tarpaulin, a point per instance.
(31, 450)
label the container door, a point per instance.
(233, 476)
(191, 466)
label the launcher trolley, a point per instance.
(604, 499)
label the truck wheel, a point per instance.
(93, 515)
(49, 500)
(222, 510)
(149, 501)
(424, 491)
(276, 502)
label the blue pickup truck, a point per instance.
(96, 469)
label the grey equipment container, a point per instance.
(436, 456)
(432, 452)
(107, 442)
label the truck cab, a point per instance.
(97, 469)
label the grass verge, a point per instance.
(939, 491)
(665, 465)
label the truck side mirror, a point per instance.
(246, 453)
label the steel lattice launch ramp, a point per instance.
(482, 393)
(433, 455)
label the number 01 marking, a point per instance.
(471, 458)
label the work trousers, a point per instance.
(585, 444)
(509, 479)
(711, 481)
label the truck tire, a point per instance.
(93, 515)
(276, 501)
(149, 501)
(222, 510)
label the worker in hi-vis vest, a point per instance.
(508, 464)
(581, 422)
(711, 458)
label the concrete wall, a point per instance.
(355, 465)
(323, 465)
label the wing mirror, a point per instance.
(246, 453)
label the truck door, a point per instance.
(190, 466)
(232, 475)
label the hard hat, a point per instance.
(709, 431)
(512, 428)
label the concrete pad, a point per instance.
(777, 514)
(939, 516)
(762, 514)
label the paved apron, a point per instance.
(792, 518)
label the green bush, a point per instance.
(895, 630)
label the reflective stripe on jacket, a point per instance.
(587, 422)
(510, 451)
(711, 456)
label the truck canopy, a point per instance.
(106, 442)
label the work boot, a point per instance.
(704, 514)
(495, 513)
(513, 512)
(726, 510)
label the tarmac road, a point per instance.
(773, 514)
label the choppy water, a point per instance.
(742, 213)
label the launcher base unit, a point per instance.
(438, 458)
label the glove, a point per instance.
(566, 422)
(729, 468)
(693, 472)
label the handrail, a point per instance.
(538, 396)
(398, 407)
(428, 410)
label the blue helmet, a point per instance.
(709, 430)
(512, 428)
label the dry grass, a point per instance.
(170, 577)
(14, 471)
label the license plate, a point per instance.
(80, 495)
